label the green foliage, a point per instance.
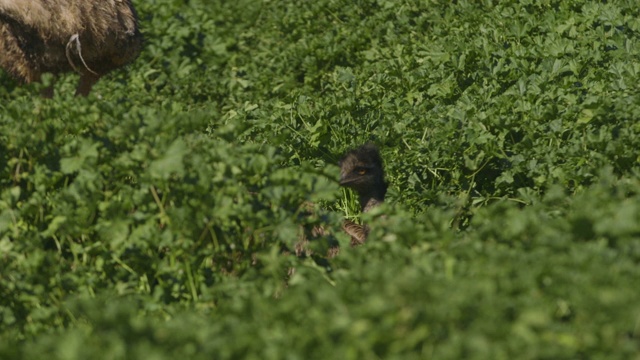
(156, 218)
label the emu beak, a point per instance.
(346, 180)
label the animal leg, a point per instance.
(47, 92)
(86, 83)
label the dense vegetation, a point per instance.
(147, 221)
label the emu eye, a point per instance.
(362, 171)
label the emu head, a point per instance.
(361, 170)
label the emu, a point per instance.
(90, 37)
(361, 169)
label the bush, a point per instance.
(154, 219)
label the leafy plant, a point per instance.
(157, 218)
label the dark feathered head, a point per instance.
(361, 169)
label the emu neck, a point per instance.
(369, 201)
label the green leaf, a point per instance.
(171, 162)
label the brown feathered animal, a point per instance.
(312, 233)
(361, 169)
(90, 37)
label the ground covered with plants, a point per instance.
(148, 221)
